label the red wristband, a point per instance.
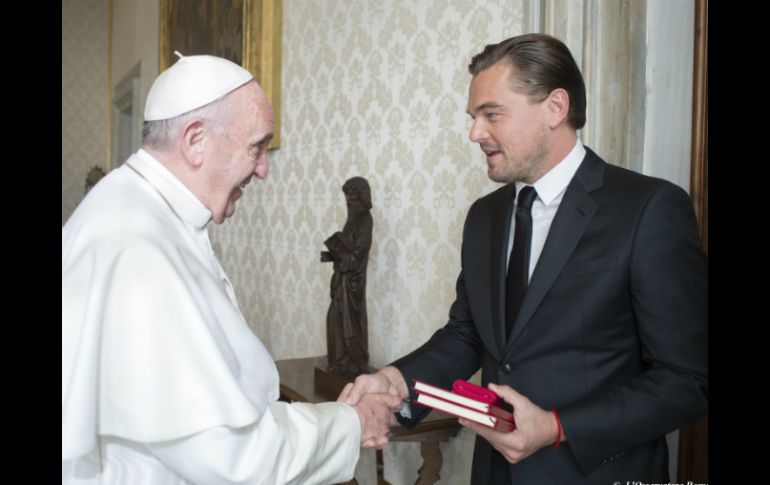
(558, 423)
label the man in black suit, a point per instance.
(606, 351)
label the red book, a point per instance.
(473, 403)
(471, 390)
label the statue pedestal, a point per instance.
(328, 383)
(331, 384)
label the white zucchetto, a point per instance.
(191, 83)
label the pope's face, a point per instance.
(510, 128)
(241, 152)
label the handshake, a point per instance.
(376, 398)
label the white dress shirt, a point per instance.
(550, 191)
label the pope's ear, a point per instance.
(193, 141)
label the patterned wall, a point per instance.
(377, 89)
(85, 32)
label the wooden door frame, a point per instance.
(693, 438)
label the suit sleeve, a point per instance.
(668, 286)
(453, 352)
(297, 443)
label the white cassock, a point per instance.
(163, 382)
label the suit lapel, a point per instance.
(570, 222)
(500, 227)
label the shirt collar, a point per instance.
(553, 183)
(182, 201)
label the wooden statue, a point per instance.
(94, 175)
(346, 322)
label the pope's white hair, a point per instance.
(159, 134)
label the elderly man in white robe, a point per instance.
(163, 382)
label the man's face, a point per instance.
(241, 151)
(511, 130)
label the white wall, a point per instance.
(135, 40)
(668, 86)
(85, 29)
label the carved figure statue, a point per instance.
(94, 175)
(346, 321)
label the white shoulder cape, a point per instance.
(152, 347)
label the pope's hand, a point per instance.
(376, 413)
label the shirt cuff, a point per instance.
(406, 409)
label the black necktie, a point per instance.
(518, 264)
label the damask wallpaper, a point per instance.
(84, 96)
(376, 89)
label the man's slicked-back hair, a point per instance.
(541, 63)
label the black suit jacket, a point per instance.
(612, 331)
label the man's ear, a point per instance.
(193, 142)
(558, 107)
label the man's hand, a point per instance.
(376, 413)
(386, 387)
(387, 381)
(535, 427)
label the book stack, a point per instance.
(469, 401)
